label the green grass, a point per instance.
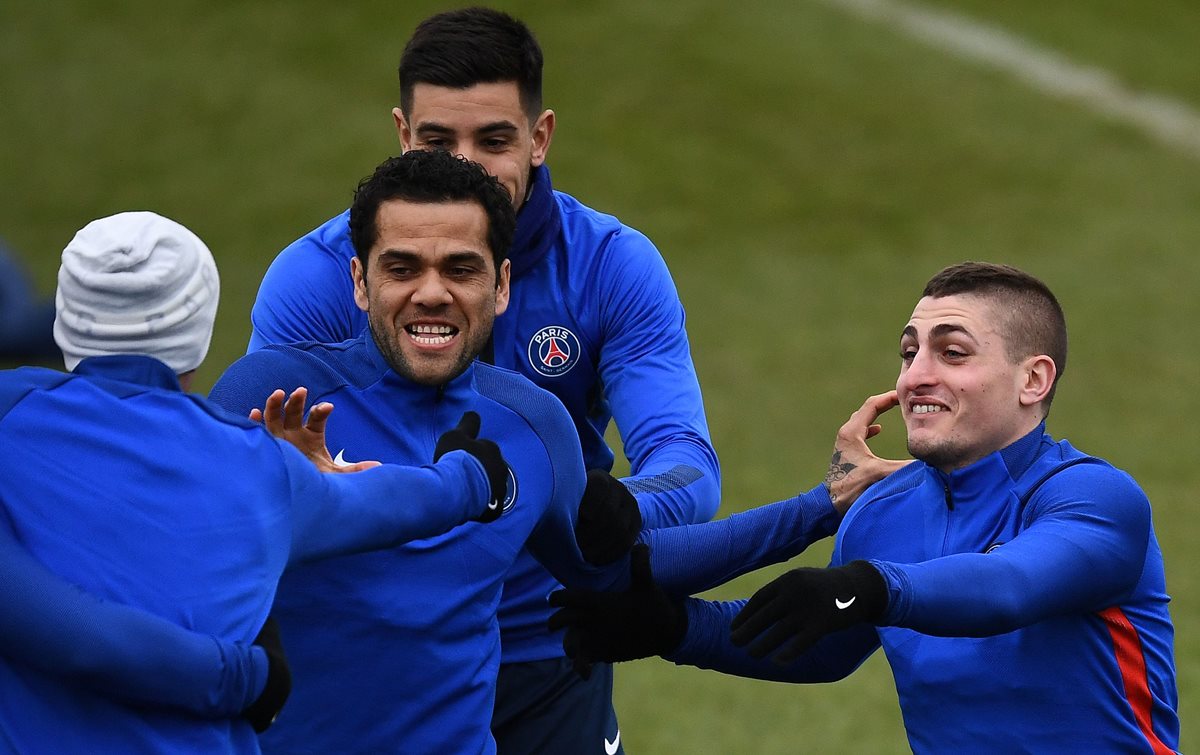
(802, 171)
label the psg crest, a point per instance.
(553, 351)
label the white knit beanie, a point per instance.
(136, 283)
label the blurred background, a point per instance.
(804, 167)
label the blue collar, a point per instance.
(538, 224)
(1013, 460)
(130, 368)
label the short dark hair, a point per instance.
(431, 177)
(462, 48)
(1033, 319)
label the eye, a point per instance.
(907, 353)
(436, 143)
(953, 353)
(495, 144)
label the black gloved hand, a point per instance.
(619, 626)
(609, 519)
(263, 711)
(465, 438)
(804, 605)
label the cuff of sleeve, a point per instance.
(818, 510)
(899, 593)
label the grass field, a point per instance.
(802, 169)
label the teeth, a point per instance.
(925, 409)
(431, 334)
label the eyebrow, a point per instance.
(487, 128)
(939, 331)
(399, 255)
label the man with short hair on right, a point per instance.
(1014, 582)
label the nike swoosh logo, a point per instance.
(842, 606)
(611, 747)
(340, 461)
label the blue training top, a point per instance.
(118, 488)
(398, 650)
(594, 318)
(1027, 607)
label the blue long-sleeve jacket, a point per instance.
(594, 318)
(398, 650)
(1027, 607)
(120, 489)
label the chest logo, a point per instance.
(553, 351)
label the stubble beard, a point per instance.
(387, 341)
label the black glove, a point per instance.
(609, 519)
(263, 711)
(464, 438)
(804, 605)
(619, 626)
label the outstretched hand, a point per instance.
(854, 467)
(619, 626)
(285, 420)
(792, 612)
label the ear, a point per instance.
(543, 133)
(502, 288)
(359, 276)
(1038, 375)
(402, 129)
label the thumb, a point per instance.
(639, 567)
(469, 424)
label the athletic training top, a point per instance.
(137, 493)
(1027, 607)
(398, 650)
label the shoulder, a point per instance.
(16, 384)
(329, 240)
(540, 409)
(587, 228)
(1064, 477)
(248, 381)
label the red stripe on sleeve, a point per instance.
(1127, 647)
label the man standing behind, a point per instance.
(118, 482)
(1014, 583)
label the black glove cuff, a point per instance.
(870, 587)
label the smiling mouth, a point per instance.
(431, 335)
(926, 409)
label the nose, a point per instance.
(919, 373)
(431, 291)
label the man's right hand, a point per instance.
(854, 467)
(465, 437)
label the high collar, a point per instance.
(538, 224)
(1012, 461)
(457, 385)
(130, 368)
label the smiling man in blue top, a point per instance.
(1014, 583)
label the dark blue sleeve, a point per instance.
(123, 652)
(1083, 549)
(696, 557)
(337, 514)
(706, 645)
(650, 383)
(307, 294)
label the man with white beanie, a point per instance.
(136, 519)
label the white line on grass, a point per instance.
(1165, 119)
